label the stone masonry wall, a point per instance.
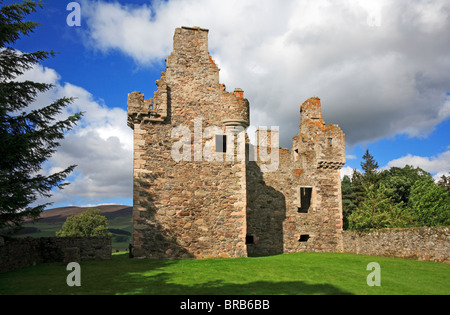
(193, 207)
(419, 243)
(267, 193)
(318, 152)
(22, 252)
(276, 221)
(206, 203)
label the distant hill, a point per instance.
(57, 215)
(119, 223)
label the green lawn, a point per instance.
(299, 273)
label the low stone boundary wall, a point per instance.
(419, 243)
(22, 252)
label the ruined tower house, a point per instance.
(197, 195)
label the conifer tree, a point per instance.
(378, 210)
(370, 168)
(27, 137)
(349, 198)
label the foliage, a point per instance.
(88, 223)
(444, 181)
(429, 203)
(400, 181)
(354, 189)
(27, 138)
(397, 197)
(348, 199)
(370, 168)
(378, 210)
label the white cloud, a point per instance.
(40, 74)
(380, 67)
(346, 170)
(437, 165)
(101, 144)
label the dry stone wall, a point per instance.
(419, 243)
(22, 252)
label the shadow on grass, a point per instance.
(122, 275)
(157, 281)
(160, 284)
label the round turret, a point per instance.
(238, 111)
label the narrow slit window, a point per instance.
(304, 238)
(305, 199)
(221, 143)
(249, 239)
(330, 141)
(296, 155)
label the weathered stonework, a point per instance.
(418, 243)
(208, 203)
(23, 252)
(277, 218)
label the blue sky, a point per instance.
(381, 69)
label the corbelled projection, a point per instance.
(202, 190)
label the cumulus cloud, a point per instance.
(101, 144)
(380, 67)
(438, 165)
(346, 170)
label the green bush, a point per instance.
(89, 223)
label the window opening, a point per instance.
(305, 199)
(304, 238)
(296, 155)
(221, 143)
(249, 239)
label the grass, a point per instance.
(288, 274)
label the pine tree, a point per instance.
(378, 211)
(357, 187)
(27, 138)
(369, 166)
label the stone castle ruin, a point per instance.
(202, 190)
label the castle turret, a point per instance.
(311, 113)
(317, 144)
(237, 112)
